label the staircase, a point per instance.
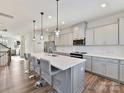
(5, 55)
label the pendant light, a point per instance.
(41, 36)
(34, 29)
(57, 32)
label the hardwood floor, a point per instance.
(96, 84)
(13, 80)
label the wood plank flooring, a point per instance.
(14, 80)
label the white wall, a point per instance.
(107, 50)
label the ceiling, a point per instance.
(70, 11)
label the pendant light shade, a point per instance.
(57, 32)
(34, 29)
(41, 36)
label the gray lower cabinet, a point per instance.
(71, 80)
(98, 66)
(121, 71)
(105, 67)
(88, 63)
(112, 70)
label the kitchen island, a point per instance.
(70, 79)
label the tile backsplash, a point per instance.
(106, 50)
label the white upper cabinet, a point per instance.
(106, 35)
(79, 31)
(64, 40)
(89, 36)
(121, 31)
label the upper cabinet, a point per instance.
(89, 36)
(121, 31)
(79, 31)
(64, 40)
(106, 35)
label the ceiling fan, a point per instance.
(6, 15)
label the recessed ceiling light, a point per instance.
(103, 5)
(50, 17)
(63, 22)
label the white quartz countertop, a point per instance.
(60, 62)
(107, 56)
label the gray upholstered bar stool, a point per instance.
(33, 66)
(48, 71)
(40, 82)
(27, 58)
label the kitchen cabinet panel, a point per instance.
(121, 31)
(106, 35)
(79, 31)
(78, 76)
(99, 36)
(88, 63)
(121, 71)
(99, 67)
(89, 36)
(105, 67)
(111, 34)
(112, 70)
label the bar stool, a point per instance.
(41, 82)
(33, 65)
(48, 71)
(27, 57)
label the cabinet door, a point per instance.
(121, 31)
(78, 78)
(99, 36)
(112, 70)
(121, 71)
(111, 34)
(78, 31)
(87, 63)
(89, 37)
(106, 35)
(75, 33)
(99, 67)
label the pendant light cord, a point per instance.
(42, 23)
(34, 28)
(57, 15)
